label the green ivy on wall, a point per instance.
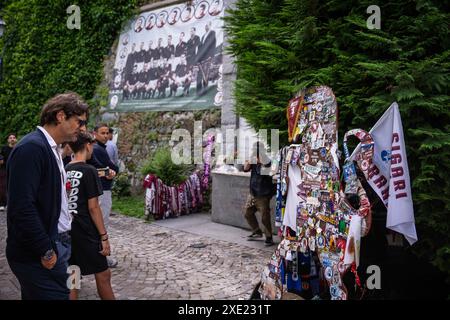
(43, 57)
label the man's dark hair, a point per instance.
(70, 102)
(100, 125)
(111, 130)
(83, 139)
(11, 134)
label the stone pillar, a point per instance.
(229, 120)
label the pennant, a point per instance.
(292, 114)
(388, 174)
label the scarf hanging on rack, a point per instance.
(192, 190)
(280, 199)
(207, 164)
(164, 201)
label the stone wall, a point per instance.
(237, 189)
(142, 133)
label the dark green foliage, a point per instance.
(42, 57)
(161, 165)
(121, 187)
(283, 46)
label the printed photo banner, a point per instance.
(170, 59)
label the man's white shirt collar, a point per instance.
(65, 219)
(49, 138)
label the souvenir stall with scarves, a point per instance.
(163, 201)
(320, 228)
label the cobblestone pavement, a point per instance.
(156, 262)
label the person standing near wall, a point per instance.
(111, 148)
(101, 132)
(4, 154)
(262, 190)
(113, 153)
(2, 184)
(38, 219)
(90, 240)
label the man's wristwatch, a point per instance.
(48, 255)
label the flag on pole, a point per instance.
(389, 173)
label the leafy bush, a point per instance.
(161, 165)
(121, 186)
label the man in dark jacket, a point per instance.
(106, 176)
(262, 190)
(4, 155)
(38, 219)
(191, 48)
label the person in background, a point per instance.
(2, 184)
(113, 153)
(101, 132)
(38, 219)
(66, 152)
(262, 190)
(4, 154)
(111, 148)
(90, 244)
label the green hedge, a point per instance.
(42, 57)
(283, 46)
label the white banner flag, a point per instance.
(389, 173)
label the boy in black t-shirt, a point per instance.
(90, 244)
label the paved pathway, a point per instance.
(158, 261)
